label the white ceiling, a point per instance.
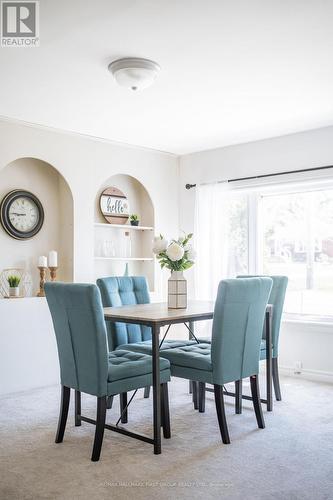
(232, 71)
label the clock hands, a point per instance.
(15, 213)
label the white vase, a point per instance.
(177, 291)
(14, 291)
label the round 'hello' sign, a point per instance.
(114, 206)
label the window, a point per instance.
(271, 230)
(297, 233)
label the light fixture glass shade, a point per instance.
(134, 73)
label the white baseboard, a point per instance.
(315, 375)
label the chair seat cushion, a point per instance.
(146, 346)
(125, 364)
(208, 340)
(195, 356)
(205, 340)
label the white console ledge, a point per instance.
(28, 350)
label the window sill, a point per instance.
(303, 319)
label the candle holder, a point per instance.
(53, 272)
(42, 279)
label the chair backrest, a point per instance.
(121, 291)
(276, 298)
(237, 328)
(79, 325)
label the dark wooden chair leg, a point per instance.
(190, 387)
(99, 432)
(256, 401)
(202, 397)
(238, 396)
(269, 395)
(123, 412)
(219, 403)
(147, 392)
(276, 380)
(162, 407)
(109, 402)
(165, 414)
(269, 389)
(195, 394)
(77, 408)
(64, 405)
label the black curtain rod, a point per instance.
(190, 186)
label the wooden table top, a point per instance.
(159, 313)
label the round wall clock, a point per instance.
(114, 205)
(22, 214)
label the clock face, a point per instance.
(22, 214)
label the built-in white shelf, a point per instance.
(125, 258)
(124, 226)
(111, 243)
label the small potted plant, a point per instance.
(134, 220)
(13, 282)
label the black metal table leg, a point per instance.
(156, 388)
(165, 411)
(191, 327)
(269, 395)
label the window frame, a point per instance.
(255, 196)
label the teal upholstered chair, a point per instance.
(121, 291)
(276, 298)
(234, 350)
(86, 365)
(130, 290)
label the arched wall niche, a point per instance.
(109, 241)
(44, 180)
(139, 199)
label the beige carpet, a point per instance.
(291, 459)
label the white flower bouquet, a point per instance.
(176, 255)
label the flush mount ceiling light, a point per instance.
(134, 73)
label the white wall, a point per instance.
(85, 164)
(28, 351)
(299, 342)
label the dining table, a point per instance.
(156, 316)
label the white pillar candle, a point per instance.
(42, 261)
(53, 259)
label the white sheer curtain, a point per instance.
(211, 238)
